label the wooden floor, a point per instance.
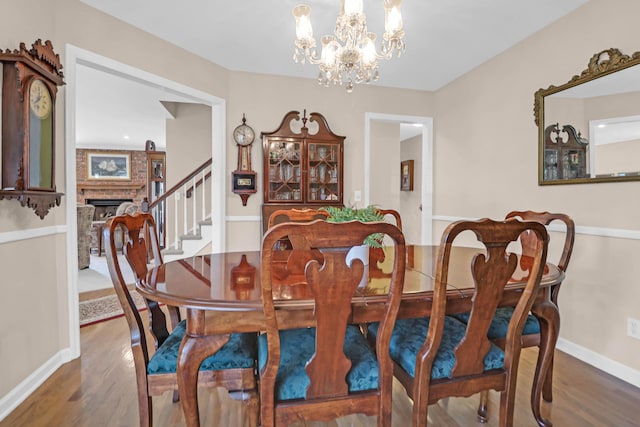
(98, 389)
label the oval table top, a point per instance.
(231, 281)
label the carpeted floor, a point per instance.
(104, 308)
(98, 301)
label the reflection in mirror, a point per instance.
(589, 128)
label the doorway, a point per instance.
(424, 168)
(76, 56)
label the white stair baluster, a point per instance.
(204, 195)
(194, 196)
(176, 235)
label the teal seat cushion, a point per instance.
(409, 335)
(500, 323)
(296, 348)
(240, 352)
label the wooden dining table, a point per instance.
(221, 294)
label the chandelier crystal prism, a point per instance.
(349, 56)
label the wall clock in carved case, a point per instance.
(30, 80)
(244, 178)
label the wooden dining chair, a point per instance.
(232, 367)
(393, 213)
(531, 332)
(296, 215)
(439, 356)
(325, 368)
(377, 255)
(297, 258)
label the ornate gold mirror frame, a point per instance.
(589, 127)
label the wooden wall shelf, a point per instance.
(39, 201)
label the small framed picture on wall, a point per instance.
(406, 175)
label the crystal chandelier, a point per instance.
(350, 55)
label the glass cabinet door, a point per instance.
(323, 167)
(285, 173)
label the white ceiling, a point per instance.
(119, 113)
(445, 39)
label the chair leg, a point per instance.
(507, 401)
(508, 395)
(483, 412)
(548, 383)
(420, 406)
(145, 409)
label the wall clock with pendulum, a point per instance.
(30, 80)
(244, 178)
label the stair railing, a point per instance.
(177, 216)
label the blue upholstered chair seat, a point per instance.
(296, 348)
(500, 323)
(239, 352)
(409, 335)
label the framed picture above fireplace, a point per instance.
(109, 166)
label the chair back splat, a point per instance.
(547, 218)
(326, 370)
(440, 356)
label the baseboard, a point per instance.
(611, 367)
(23, 390)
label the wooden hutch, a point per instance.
(565, 153)
(303, 165)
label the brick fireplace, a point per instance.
(105, 208)
(111, 193)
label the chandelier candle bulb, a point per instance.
(304, 30)
(393, 18)
(352, 7)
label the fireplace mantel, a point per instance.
(111, 186)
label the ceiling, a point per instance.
(445, 39)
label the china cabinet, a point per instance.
(565, 153)
(303, 164)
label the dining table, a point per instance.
(220, 294)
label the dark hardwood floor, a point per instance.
(98, 389)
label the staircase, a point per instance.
(183, 215)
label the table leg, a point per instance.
(193, 350)
(549, 319)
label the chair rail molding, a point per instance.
(32, 233)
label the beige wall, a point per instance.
(486, 139)
(623, 156)
(411, 201)
(385, 165)
(188, 132)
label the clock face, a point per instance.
(40, 99)
(243, 135)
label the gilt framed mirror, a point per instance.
(589, 127)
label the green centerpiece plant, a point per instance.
(368, 214)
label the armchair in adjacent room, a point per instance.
(84, 216)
